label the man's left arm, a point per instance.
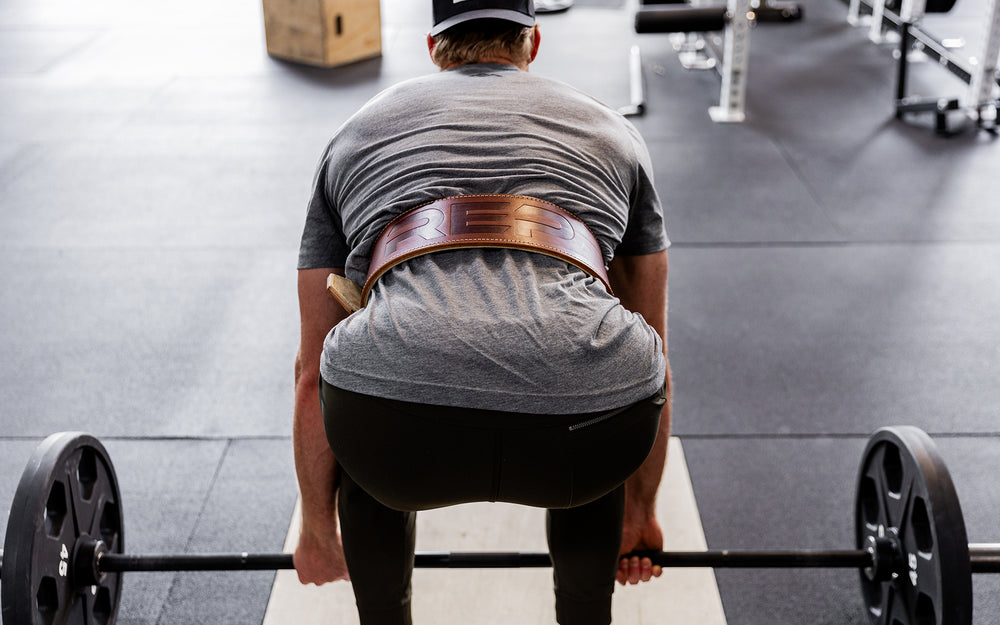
(640, 282)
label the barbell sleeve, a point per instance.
(985, 558)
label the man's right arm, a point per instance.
(319, 556)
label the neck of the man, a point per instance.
(497, 60)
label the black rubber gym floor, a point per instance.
(833, 270)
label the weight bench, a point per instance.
(687, 22)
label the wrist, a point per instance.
(639, 512)
(318, 520)
(319, 530)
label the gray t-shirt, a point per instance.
(485, 328)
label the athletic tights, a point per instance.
(397, 458)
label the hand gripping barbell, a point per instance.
(63, 556)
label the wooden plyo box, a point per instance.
(324, 33)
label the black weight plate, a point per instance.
(68, 492)
(904, 488)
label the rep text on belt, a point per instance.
(473, 221)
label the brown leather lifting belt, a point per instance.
(471, 221)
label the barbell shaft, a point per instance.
(117, 563)
(984, 558)
(847, 559)
(120, 563)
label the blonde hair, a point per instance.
(481, 40)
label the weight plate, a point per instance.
(905, 490)
(68, 494)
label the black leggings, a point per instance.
(398, 457)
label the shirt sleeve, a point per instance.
(645, 232)
(323, 242)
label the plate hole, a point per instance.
(102, 606)
(55, 510)
(892, 464)
(924, 612)
(47, 600)
(875, 599)
(110, 523)
(921, 524)
(86, 473)
(868, 500)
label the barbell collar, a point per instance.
(887, 557)
(86, 560)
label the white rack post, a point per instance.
(854, 12)
(984, 79)
(913, 11)
(875, 28)
(736, 53)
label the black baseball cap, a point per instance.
(448, 13)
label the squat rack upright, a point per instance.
(980, 74)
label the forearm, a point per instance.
(640, 282)
(642, 486)
(315, 465)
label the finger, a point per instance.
(634, 570)
(646, 569)
(622, 575)
(299, 571)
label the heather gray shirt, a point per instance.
(499, 329)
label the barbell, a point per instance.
(63, 555)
